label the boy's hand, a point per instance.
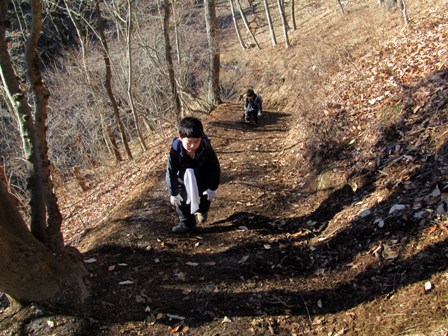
(211, 194)
(260, 113)
(176, 200)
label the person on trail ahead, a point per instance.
(252, 106)
(192, 174)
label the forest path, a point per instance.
(216, 270)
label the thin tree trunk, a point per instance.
(20, 16)
(81, 38)
(169, 60)
(108, 81)
(404, 11)
(90, 84)
(269, 19)
(342, 7)
(130, 78)
(235, 23)
(293, 16)
(176, 33)
(246, 24)
(213, 50)
(284, 23)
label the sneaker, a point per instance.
(246, 120)
(180, 228)
(201, 217)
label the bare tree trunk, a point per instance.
(108, 81)
(213, 50)
(176, 33)
(31, 273)
(169, 60)
(54, 234)
(20, 16)
(284, 23)
(108, 135)
(22, 111)
(269, 19)
(404, 11)
(341, 6)
(81, 38)
(114, 8)
(236, 26)
(402, 5)
(246, 24)
(130, 78)
(293, 16)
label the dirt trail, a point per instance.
(222, 269)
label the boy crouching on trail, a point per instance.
(253, 106)
(192, 174)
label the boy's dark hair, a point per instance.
(250, 93)
(191, 127)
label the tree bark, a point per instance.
(169, 60)
(213, 50)
(31, 273)
(82, 38)
(284, 23)
(293, 16)
(176, 33)
(404, 11)
(269, 19)
(108, 81)
(30, 270)
(235, 23)
(130, 78)
(246, 24)
(41, 94)
(341, 6)
(22, 111)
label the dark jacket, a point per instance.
(254, 105)
(205, 164)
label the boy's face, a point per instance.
(190, 144)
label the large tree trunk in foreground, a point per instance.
(33, 130)
(55, 239)
(30, 272)
(34, 267)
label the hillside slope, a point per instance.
(331, 216)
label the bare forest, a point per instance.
(332, 213)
